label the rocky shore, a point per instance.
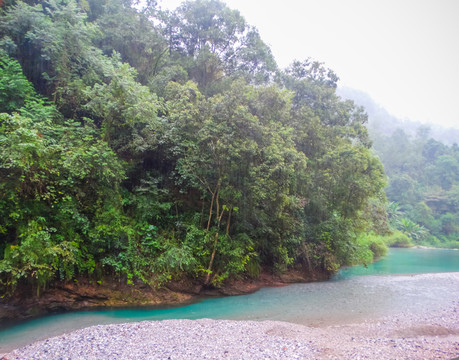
(406, 336)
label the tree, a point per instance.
(344, 174)
(148, 146)
(54, 172)
(53, 43)
(13, 84)
(132, 35)
(218, 42)
(125, 110)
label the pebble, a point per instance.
(224, 339)
(405, 335)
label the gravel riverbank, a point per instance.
(423, 326)
(434, 336)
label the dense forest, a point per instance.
(423, 186)
(150, 145)
(422, 165)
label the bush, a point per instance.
(398, 239)
(369, 248)
(378, 248)
(444, 243)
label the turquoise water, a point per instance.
(408, 261)
(349, 297)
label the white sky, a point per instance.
(404, 53)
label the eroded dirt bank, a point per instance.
(85, 294)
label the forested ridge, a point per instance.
(422, 165)
(149, 145)
(423, 186)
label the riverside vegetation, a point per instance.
(422, 165)
(147, 146)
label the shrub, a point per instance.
(398, 239)
(378, 248)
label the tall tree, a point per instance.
(219, 43)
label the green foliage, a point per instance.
(445, 244)
(423, 178)
(40, 255)
(128, 110)
(398, 239)
(150, 146)
(378, 248)
(415, 231)
(369, 247)
(54, 171)
(129, 33)
(14, 87)
(220, 43)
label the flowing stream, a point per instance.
(401, 282)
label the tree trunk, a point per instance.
(210, 211)
(209, 270)
(214, 196)
(229, 220)
(306, 256)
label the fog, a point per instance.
(403, 53)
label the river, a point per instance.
(404, 281)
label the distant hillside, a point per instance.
(382, 122)
(422, 166)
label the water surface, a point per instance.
(408, 261)
(349, 297)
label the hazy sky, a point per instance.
(404, 53)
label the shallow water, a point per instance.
(408, 261)
(347, 298)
